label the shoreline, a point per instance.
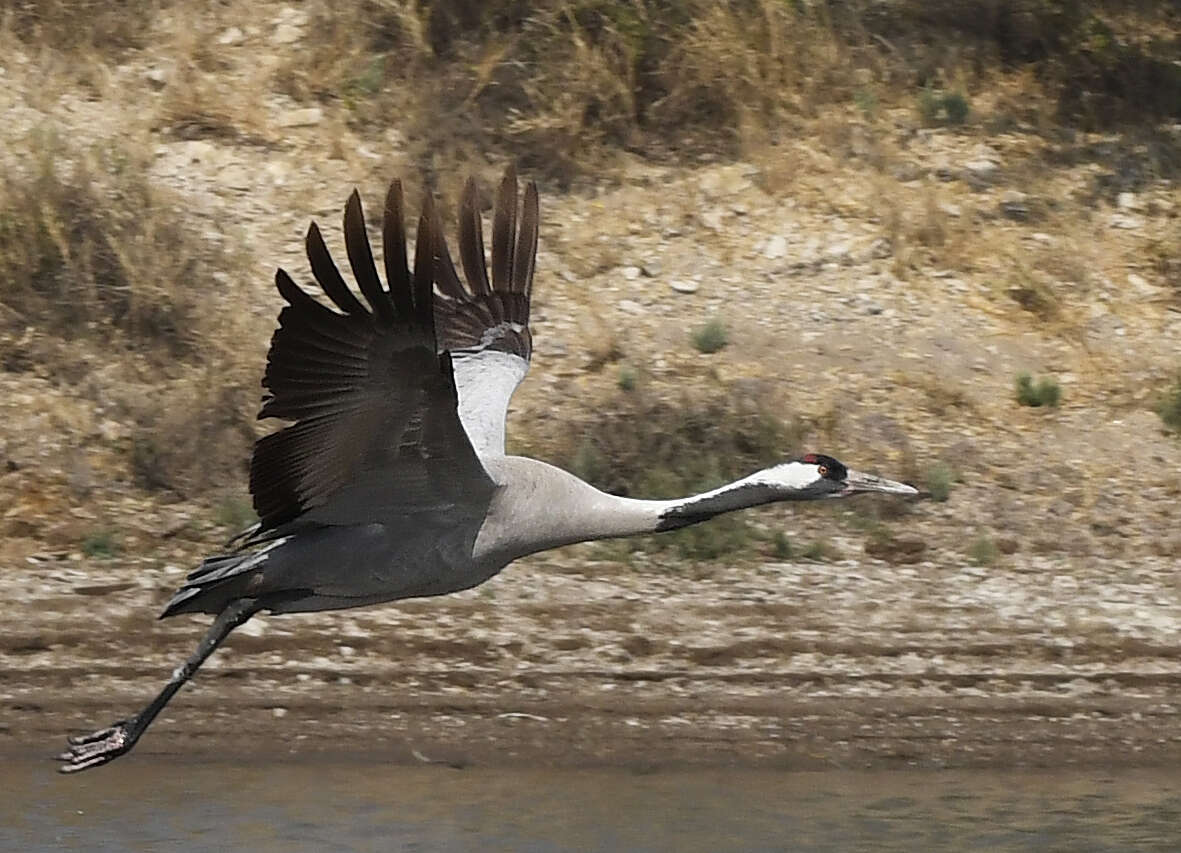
(856, 738)
(858, 666)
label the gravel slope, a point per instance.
(871, 274)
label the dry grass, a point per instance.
(565, 84)
(105, 288)
(1169, 407)
(105, 26)
(561, 84)
(82, 242)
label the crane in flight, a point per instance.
(390, 478)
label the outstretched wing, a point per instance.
(484, 322)
(375, 429)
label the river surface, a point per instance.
(160, 804)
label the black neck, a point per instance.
(703, 507)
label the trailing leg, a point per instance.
(107, 744)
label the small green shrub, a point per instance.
(781, 547)
(818, 550)
(101, 544)
(589, 462)
(939, 478)
(234, 512)
(711, 337)
(1169, 408)
(724, 536)
(867, 102)
(370, 78)
(928, 105)
(1046, 392)
(627, 378)
(942, 108)
(983, 551)
(956, 108)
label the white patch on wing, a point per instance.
(259, 557)
(792, 475)
(485, 382)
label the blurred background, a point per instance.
(937, 240)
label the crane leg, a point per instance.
(96, 749)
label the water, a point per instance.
(160, 804)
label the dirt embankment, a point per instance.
(883, 281)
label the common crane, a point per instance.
(390, 480)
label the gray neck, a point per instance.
(539, 507)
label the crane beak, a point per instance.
(858, 482)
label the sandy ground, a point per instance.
(567, 662)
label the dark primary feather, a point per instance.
(446, 277)
(375, 424)
(471, 239)
(327, 274)
(490, 315)
(504, 231)
(393, 249)
(525, 257)
(356, 243)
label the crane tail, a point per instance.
(221, 579)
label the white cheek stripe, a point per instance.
(792, 475)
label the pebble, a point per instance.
(230, 36)
(157, 77)
(289, 25)
(682, 286)
(305, 117)
(1123, 220)
(981, 171)
(775, 248)
(839, 253)
(286, 34)
(236, 177)
(1015, 205)
(712, 218)
(880, 248)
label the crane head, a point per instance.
(814, 476)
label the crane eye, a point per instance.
(822, 470)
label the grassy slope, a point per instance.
(99, 261)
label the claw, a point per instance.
(97, 748)
(101, 734)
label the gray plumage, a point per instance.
(389, 478)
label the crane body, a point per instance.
(390, 479)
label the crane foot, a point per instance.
(97, 748)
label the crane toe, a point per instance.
(97, 748)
